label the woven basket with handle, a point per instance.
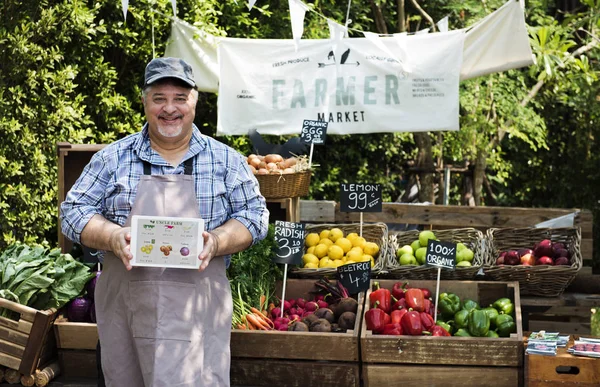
(288, 185)
(471, 237)
(372, 232)
(540, 280)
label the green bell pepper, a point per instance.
(444, 325)
(461, 319)
(448, 304)
(492, 334)
(478, 323)
(492, 314)
(505, 325)
(470, 304)
(504, 305)
(462, 333)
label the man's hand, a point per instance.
(120, 245)
(211, 247)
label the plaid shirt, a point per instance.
(225, 186)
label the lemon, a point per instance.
(372, 262)
(336, 234)
(310, 258)
(338, 262)
(351, 236)
(344, 243)
(324, 234)
(321, 250)
(331, 264)
(371, 248)
(310, 250)
(324, 262)
(349, 261)
(355, 254)
(312, 239)
(335, 252)
(311, 265)
(359, 242)
(326, 241)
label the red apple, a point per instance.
(545, 260)
(560, 253)
(562, 261)
(543, 249)
(500, 260)
(512, 258)
(522, 252)
(528, 260)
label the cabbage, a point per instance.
(78, 310)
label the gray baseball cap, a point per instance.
(160, 68)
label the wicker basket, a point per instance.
(290, 185)
(372, 232)
(543, 280)
(472, 238)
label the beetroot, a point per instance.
(321, 325)
(299, 326)
(347, 304)
(308, 320)
(347, 320)
(325, 313)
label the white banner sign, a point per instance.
(353, 85)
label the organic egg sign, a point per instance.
(290, 239)
(313, 132)
(360, 197)
(440, 254)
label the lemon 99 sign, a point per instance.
(360, 197)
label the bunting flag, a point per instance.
(174, 5)
(336, 30)
(251, 4)
(125, 5)
(423, 31)
(442, 25)
(297, 12)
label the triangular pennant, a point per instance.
(423, 31)
(336, 30)
(125, 4)
(443, 24)
(251, 4)
(297, 12)
(174, 4)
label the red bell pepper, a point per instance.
(398, 290)
(400, 304)
(426, 321)
(397, 314)
(392, 329)
(383, 296)
(439, 331)
(411, 323)
(428, 306)
(426, 292)
(414, 299)
(375, 319)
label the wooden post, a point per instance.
(43, 377)
(27, 380)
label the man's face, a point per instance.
(170, 110)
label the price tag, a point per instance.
(290, 238)
(360, 197)
(313, 132)
(440, 254)
(355, 277)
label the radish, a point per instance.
(319, 297)
(299, 311)
(286, 305)
(322, 304)
(276, 312)
(300, 302)
(293, 311)
(311, 306)
(292, 302)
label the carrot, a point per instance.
(241, 326)
(263, 300)
(257, 322)
(270, 307)
(261, 316)
(264, 313)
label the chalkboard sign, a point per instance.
(360, 197)
(313, 132)
(440, 254)
(356, 277)
(290, 238)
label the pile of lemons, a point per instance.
(331, 248)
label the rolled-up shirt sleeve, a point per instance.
(247, 204)
(85, 198)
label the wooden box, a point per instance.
(562, 369)
(298, 358)
(464, 351)
(75, 335)
(27, 342)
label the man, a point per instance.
(165, 327)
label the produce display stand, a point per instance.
(447, 360)
(267, 358)
(27, 343)
(563, 369)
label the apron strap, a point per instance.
(188, 167)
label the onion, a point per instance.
(262, 171)
(78, 310)
(290, 162)
(288, 170)
(255, 161)
(271, 166)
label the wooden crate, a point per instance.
(301, 356)
(74, 335)
(77, 363)
(26, 342)
(466, 351)
(375, 375)
(562, 369)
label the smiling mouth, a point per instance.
(170, 119)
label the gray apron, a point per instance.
(164, 327)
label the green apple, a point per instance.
(460, 246)
(406, 249)
(407, 259)
(465, 255)
(420, 255)
(463, 264)
(415, 245)
(424, 236)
